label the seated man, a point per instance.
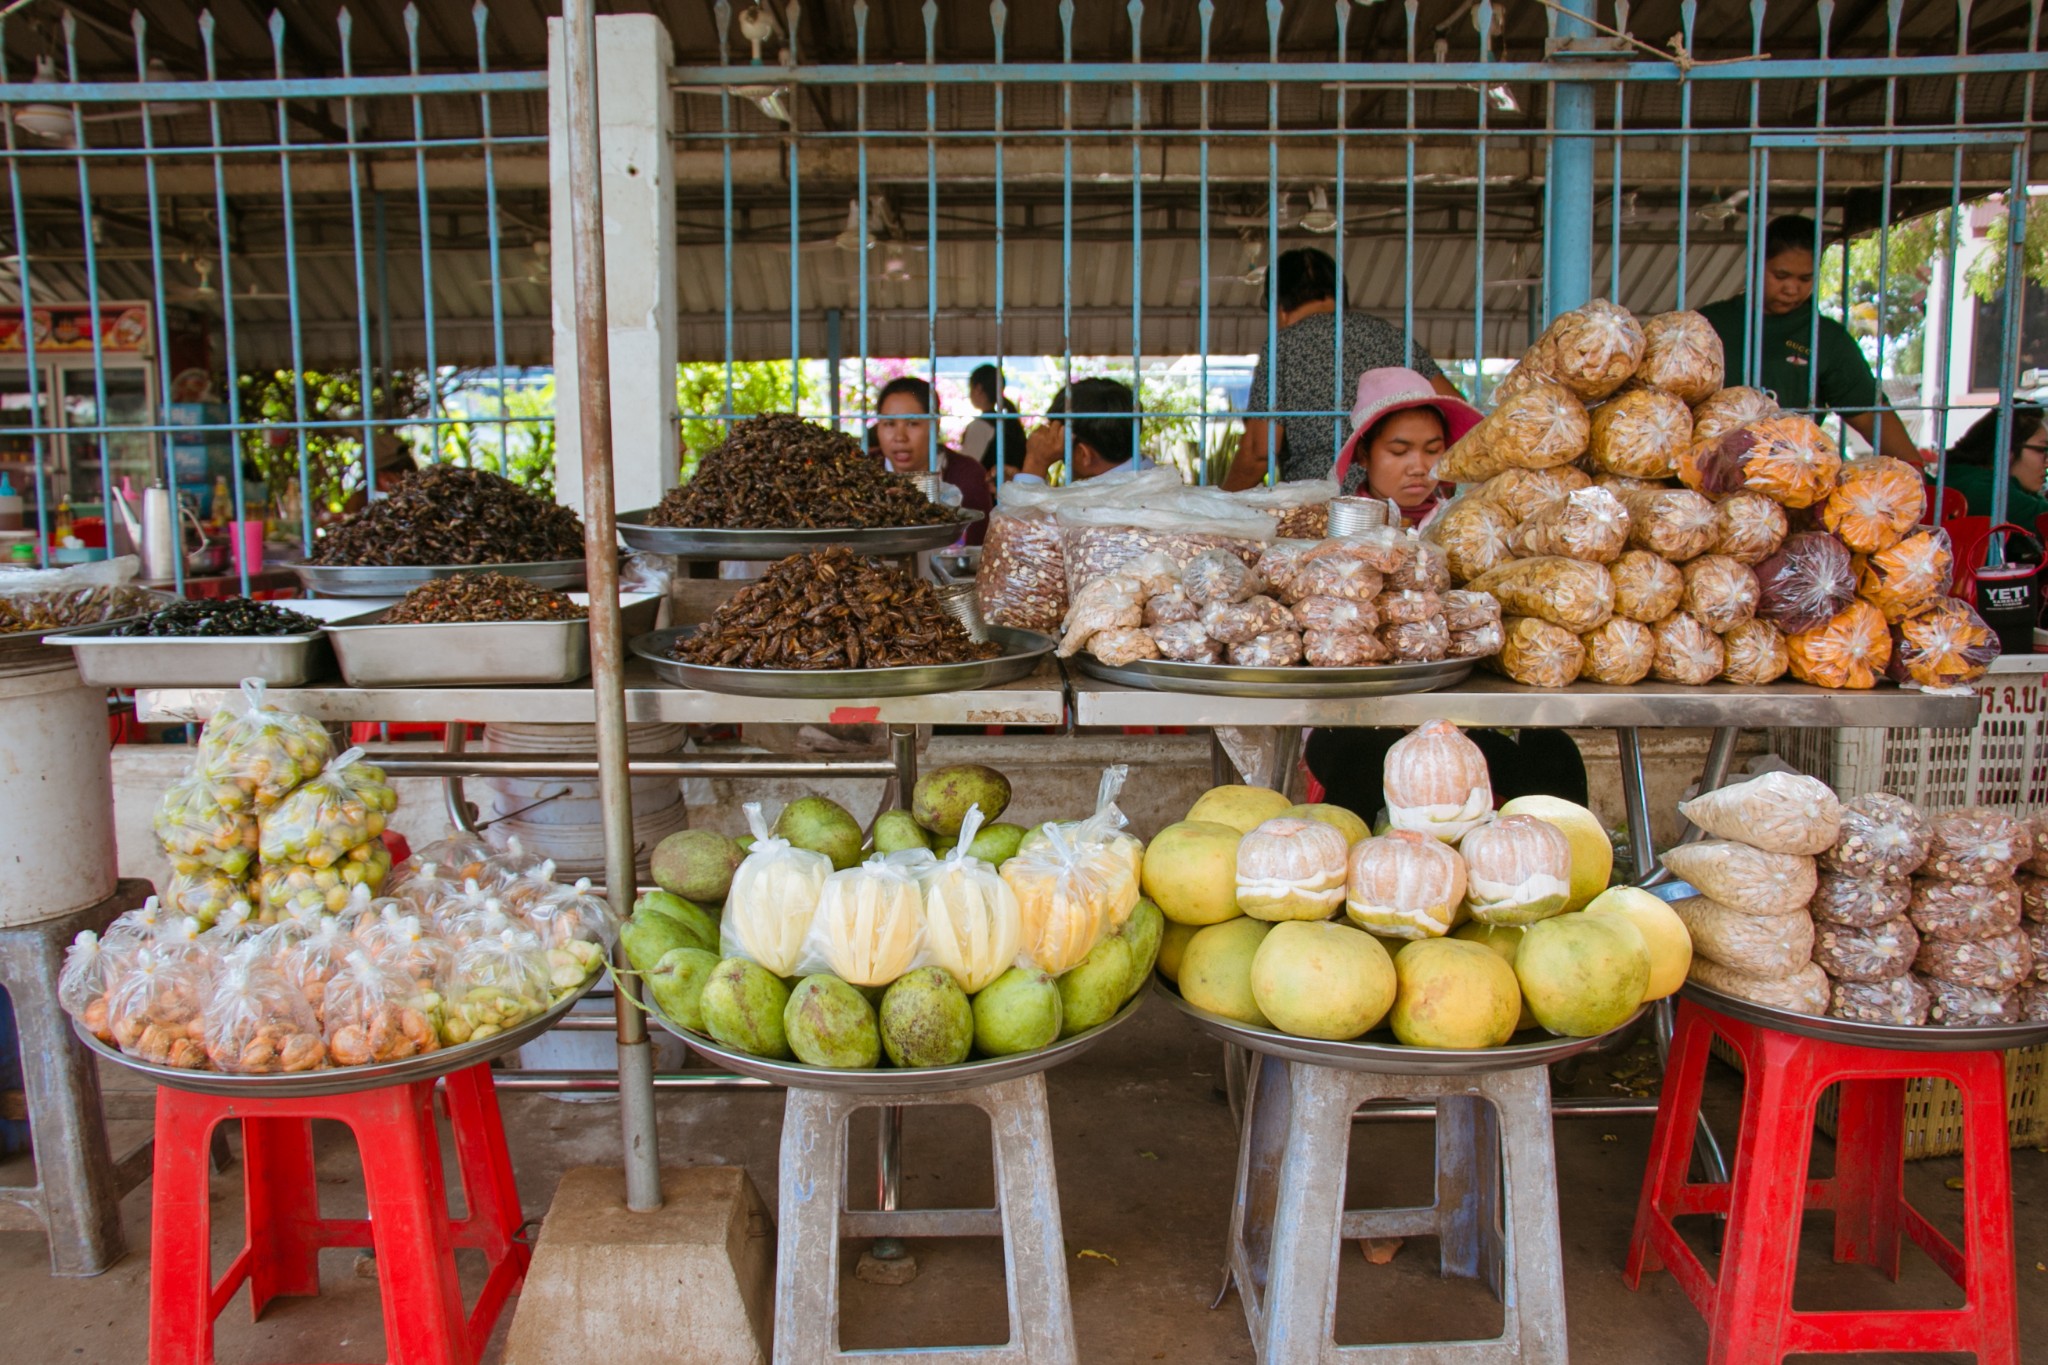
(1104, 426)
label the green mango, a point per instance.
(1094, 990)
(1144, 930)
(646, 938)
(1017, 1012)
(743, 1004)
(676, 985)
(702, 923)
(830, 1023)
(823, 826)
(896, 831)
(996, 844)
(926, 1020)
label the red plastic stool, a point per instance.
(409, 1226)
(1748, 1308)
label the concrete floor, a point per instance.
(1146, 1152)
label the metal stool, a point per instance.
(1495, 1215)
(78, 1189)
(812, 1220)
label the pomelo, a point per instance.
(1318, 979)
(1583, 974)
(1348, 823)
(1664, 934)
(1190, 872)
(1592, 850)
(1216, 970)
(1244, 809)
(1453, 994)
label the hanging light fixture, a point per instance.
(1320, 217)
(49, 122)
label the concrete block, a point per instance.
(694, 1280)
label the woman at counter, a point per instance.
(906, 430)
(1400, 428)
(1972, 465)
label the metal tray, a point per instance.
(709, 542)
(1023, 650)
(507, 653)
(1378, 1052)
(1901, 1037)
(1230, 680)
(345, 1080)
(890, 1080)
(211, 661)
(396, 580)
(25, 649)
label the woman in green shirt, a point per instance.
(1972, 465)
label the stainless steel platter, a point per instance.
(1231, 680)
(710, 542)
(455, 654)
(889, 1080)
(345, 1080)
(395, 580)
(1379, 1052)
(1022, 650)
(1900, 1037)
(25, 649)
(211, 661)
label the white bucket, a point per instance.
(57, 790)
(564, 819)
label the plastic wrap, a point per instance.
(1186, 642)
(1960, 1006)
(1905, 579)
(501, 981)
(156, 1009)
(1336, 614)
(1786, 458)
(1481, 642)
(1168, 608)
(1676, 523)
(2033, 896)
(201, 835)
(1383, 549)
(1274, 649)
(1755, 654)
(1961, 911)
(1404, 884)
(1424, 568)
(1536, 653)
(1688, 651)
(343, 808)
(1806, 584)
(1859, 902)
(1849, 651)
(1068, 895)
(1409, 608)
(773, 896)
(302, 889)
(1803, 992)
(1113, 602)
(1682, 355)
(869, 925)
(1292, 503)
(1473, 534)
(1436, 783)
(459, 857)
(2037, 944)
(1123, 646)
(1619, 652)
(1237, 623)
(1742, 878)
(1101, 538)
(1880, 953)
(82, 984)
(1900, 1000)
(1290, 869)
(1590, 524)
(2037, 858)
(1022, 581)
(1749, 527)
(1540, 425)
(1876, 504)
(1759, 945)
(1728, 410)
(1565, 592)
(1593, 349)
(1998, 963)
(1977, 844)
(1946, 645)
(371, 1016)
(1217, 576)
(1881, 836)
(1417, 642)
(1522, 493)
(1720, 591)
(974, 927)
(1518, 870)
(1777, 812)
(1279, 565)
(2033, 1003)
(1342, 648)
(1647, 588)
(258, 750)
(257, 1023)
(1464, 610)
(1640, 434)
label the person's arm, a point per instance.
(1445, 386)
(1045, 447)
(1847, 381)
(1248, 466)
(1887, 435)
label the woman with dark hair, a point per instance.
(1400, 428)
(906, 433)
(996, 438)
(1972, 464)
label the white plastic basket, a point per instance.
(2001, 762)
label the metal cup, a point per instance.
(930, 483)
(959, 602)
(1355, 516)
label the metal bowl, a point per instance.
(1231, 680)
(1022, 650)
(346, 1080)
(1898, 1037)
(888, 1080)
(711, 542)
(395, 580)
(1379, 1052)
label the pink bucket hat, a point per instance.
(1394, 389)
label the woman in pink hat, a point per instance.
(1400, 428)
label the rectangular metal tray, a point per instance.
(530, 653)
(395, 580)
(24, 650)
(213, 661)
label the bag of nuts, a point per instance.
(257, 1022)
(370, 1016)
(156, 1008)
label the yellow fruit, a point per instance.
(1244, 809)
(1506, 940)
(1190, 872)
(1216, 970)
(1592, 850)
(1316, 979)
(1173, 943)
(1346, 822)
(1583, 974)
(1454, 994)
(1664, 934)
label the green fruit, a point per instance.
(746, 843)
(1584, 974)
(743, 1004)
(1316, 979)
(1244, 809)
(896, 831)
(1190, 872)
(676, 985)
(823, 826)
(829, 1023)
(1095, 988)
(1506, 940)
(1664, 933)
(941, 798)
(1173, 942)
(1019, 1011)
(645, 938)
(1345, 822)
(1145, 929)
(1453, 994)
(696, 864)
(701, 924)
(926, 1020)
(997, 844)
(1216, 970)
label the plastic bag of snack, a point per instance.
(1688, 651)
(1465, 610)
(2033, 896)
(1273, 649)
(1022, 581)
(1237, 623)
(1590, 524)
(1959, 1006)
(1619, 652)
(259, 751)
(501, 981)
(2037, 944)
(1336, 614)
(1540, 424)
(1742, 878)
(1481, 642)
(1565, 592)
(1962, 910)
(1342, 648)
(1675, 523)
(869, 928)
(773, 896)
(1100, 538)
(973, 925)
(424, 960)
(370, 1017)
(1681, 355)
(82, 984)
(198, 833)
(235, 926)
(1168, 608)
(1409, 608)
(1761, 945)
(1186, 642)
(1881, 836)
(1126, 646)
(1859, 902)
(1977, 844)
(156, 1008)
(1946, 645)
(1803, 992)
(1640, 434)
(257, 1023)
(1473, 534)
(1907, 578)
(1806, 584)
(1749, 527)
(1720, 591)
(203, 894)
(454, 858)
(1777, 812)
(302, 889)
(1849, 651)
(1112, 602)
(1998, 963)
(1383, 549)
(2033, 1002)
(1727, 410)
(1787, 458)
(1755, 654)
(1424, 568)
(1536, 653)
(1522, 493)
(519, 894)
(1069, 892)
(1879, 953)
(1218, 576)
(1899, 1000)
(344, 807)
(1592, 349)
(1280, 564)
(1417, 642)
(1877, 502)
(1647, 588)
(2037, 859)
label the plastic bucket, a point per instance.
(57, 788)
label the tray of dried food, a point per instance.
(26, 618)
(1232, 680)
(780, 486)
(440, 522)
(478, 629)
(207, 642)
(1905, 1037)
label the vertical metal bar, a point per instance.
(2016, 205)
(721, 14)
(1688, 13)
(1136, 11)
(481, 17)
(1273, 206)
(998, 15)
(1568, 233)
(92, 295)
(291, 286)
(600, 539)
(1340, 401)
(1825, 12)
(1884, 244)
(930, 14)
(381, 225)
(1408, 198)
(1621, 8)
(1482, 19)
(1635, 800)
(40, 445)
(231, 360)
(139, 26)
(344, 23)
(793, 16)
(860, 147)
(1066, 10)
(1940, 331)
(419, 161)
(1753, 227)
(1205, 11)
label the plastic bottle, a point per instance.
(221, 507)
(10, 504)
(60, 530)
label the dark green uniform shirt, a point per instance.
(1973, 481)
(1840, 382)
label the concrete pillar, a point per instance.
(635, 115)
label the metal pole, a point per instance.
(889, 1131)
(1628, 753)
(600, 547)
(1568, 206)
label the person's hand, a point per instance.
(1045, 447)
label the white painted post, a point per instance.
(635, 117)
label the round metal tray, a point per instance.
(395, 580)
(711, 542)
(890, 1080)
(1022, 651)
(1230, 680)
(1900, 1037)
(1378, 1052)
(345, 1080)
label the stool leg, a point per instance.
(1035, 1256)
(423, 1318)
(1532, 1297)
(1678, 1110)
(810, 1188)
(1468, 1189)
(1301, 1288)
(1753, 1292)
(1987, 1184)
(490, 1194)
(181, 1233)
(1248, 1256)
(1870, 1172)
(281, 1203)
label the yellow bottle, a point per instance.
(61, 530)
(221, 508)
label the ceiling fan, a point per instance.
(536, 274)
(1723, 212)
(757, 25)
(1253, 273)
(54, 123)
